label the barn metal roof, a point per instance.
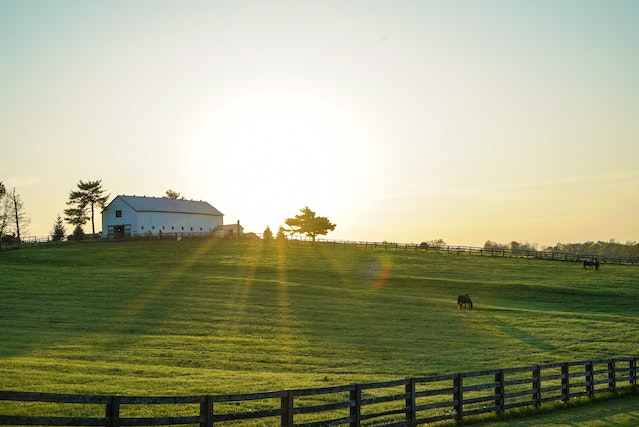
(164, 204)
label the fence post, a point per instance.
(612, 376)
(206, 411)
(633, 372)
(590, 379)
(565, 383)
(356, 408)
(536, 385)
(411, 414)
(500, 392)
(113, 412)
(458, 396)
(287, 409)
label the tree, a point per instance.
(170, 194)
(268, 234)
(494, 245)
(88, 195)
(281, 234)
(18, 216)
(309, 224)
(78, 233)
(12, 215)
(76, 216)
(4, 209)
(58, 232)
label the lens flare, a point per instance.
(376, 272)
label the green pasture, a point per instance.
(211, 317)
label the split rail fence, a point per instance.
(470, 250)
(501, 252)
(405, 402)
(475, 250)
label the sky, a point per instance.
(400, 121)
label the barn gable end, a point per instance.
(135, 216)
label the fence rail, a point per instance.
(403, 402)
(456, 249)
(495, 252)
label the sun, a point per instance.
(278, 151)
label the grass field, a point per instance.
(209, 317)
(622, 412)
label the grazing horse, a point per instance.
(594, 263)
(464, 300)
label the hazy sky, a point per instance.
(402, 121)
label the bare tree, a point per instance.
(18, 216)
(4, 210)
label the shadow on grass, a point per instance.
(621, 409)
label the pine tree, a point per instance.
(85, 199)
(58, 232)
(78, 233)
(268, 234)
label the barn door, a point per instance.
(119, 232)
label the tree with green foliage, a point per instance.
(170, 194)
(309, 224)
(281, 234)
(78, 233)
(58, 232)
(76, 216)
(89, 195)
(268, 234)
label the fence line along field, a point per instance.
(405, 402)
(210, 317)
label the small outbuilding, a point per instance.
(229, 231)
(138, 216)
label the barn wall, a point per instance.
(129, 216)
(167, 222)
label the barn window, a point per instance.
(153, 227)
(191, 228)
(118, 214)
(142, 227)
(162, 227)
(200, 228)
(172, 228)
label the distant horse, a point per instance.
(464, 300)
(594, 263)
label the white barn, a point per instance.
(134, 216)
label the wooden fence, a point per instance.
(495, 252)
(470, 250)
(404, 402)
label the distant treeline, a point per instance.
(609, 249)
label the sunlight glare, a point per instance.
(282, 150)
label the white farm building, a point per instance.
(138, 216)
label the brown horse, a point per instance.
(464, 300)
(593, 263)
